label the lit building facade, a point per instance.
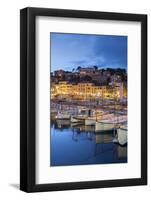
(86, 91)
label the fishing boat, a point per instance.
(103, 125)
(89, 121)
(79, 118)
(74, 119)
(104, 122)
(98, 116)
(63, 116)
(110, 123)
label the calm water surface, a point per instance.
(80, 145)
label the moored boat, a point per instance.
(110, 123)
(63, 116)
(103, 125)
(122, 135)
(74, 119)
(101, 116)
(89, 121)
(80, 117)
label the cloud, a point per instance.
(105, 51)
(89, 61)
(112, 48)
(72, 50)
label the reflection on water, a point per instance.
(79, 144)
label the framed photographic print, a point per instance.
(83, 99)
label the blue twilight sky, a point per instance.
(68, 51)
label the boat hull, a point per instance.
(101, 126)
(90, 122)
(122, 136)
(62, 117)
(74, 120)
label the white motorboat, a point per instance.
(122, 135)
(62, 116)
(104, 122)
(110, 123)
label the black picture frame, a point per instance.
(28, 99)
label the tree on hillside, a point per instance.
(95, 67)
(78, 68)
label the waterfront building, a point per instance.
(87, 91)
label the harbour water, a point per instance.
(81, 145)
